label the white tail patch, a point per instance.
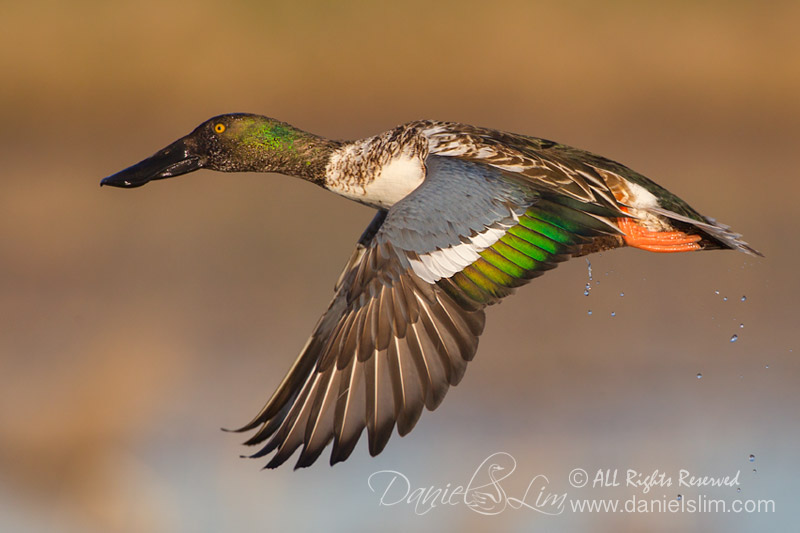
(639, 197)
(644, 205)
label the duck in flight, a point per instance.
(464, 216)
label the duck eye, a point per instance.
(219, 128)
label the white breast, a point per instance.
(395, 180)
(391, 182)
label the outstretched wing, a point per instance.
(408, 308)
(388, 345)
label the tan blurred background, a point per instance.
(136, 323)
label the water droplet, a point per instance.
(589, 268)
(680, 497)
(716, 292)
(613, 313)
(699, 375)
(734, 338)
(589, 312)
(766, 366)
(744, 298)
(621, 294)
(754, 470)
(741, 326)
(586, 292)
(752, 458)
(738, 489)
(724, 298)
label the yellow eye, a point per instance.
(219, 128)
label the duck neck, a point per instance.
(309, 158)
(280, 147)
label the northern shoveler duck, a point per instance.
(464, 216)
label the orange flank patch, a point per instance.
(638, 236)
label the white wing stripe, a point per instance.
(421, 270)
(445, 262)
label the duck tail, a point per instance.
(714, 235)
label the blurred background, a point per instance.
(137, 323)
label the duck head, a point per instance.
(236, 142)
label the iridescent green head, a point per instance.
(236, 142)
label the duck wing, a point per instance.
(582, 180)
(409, 307)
